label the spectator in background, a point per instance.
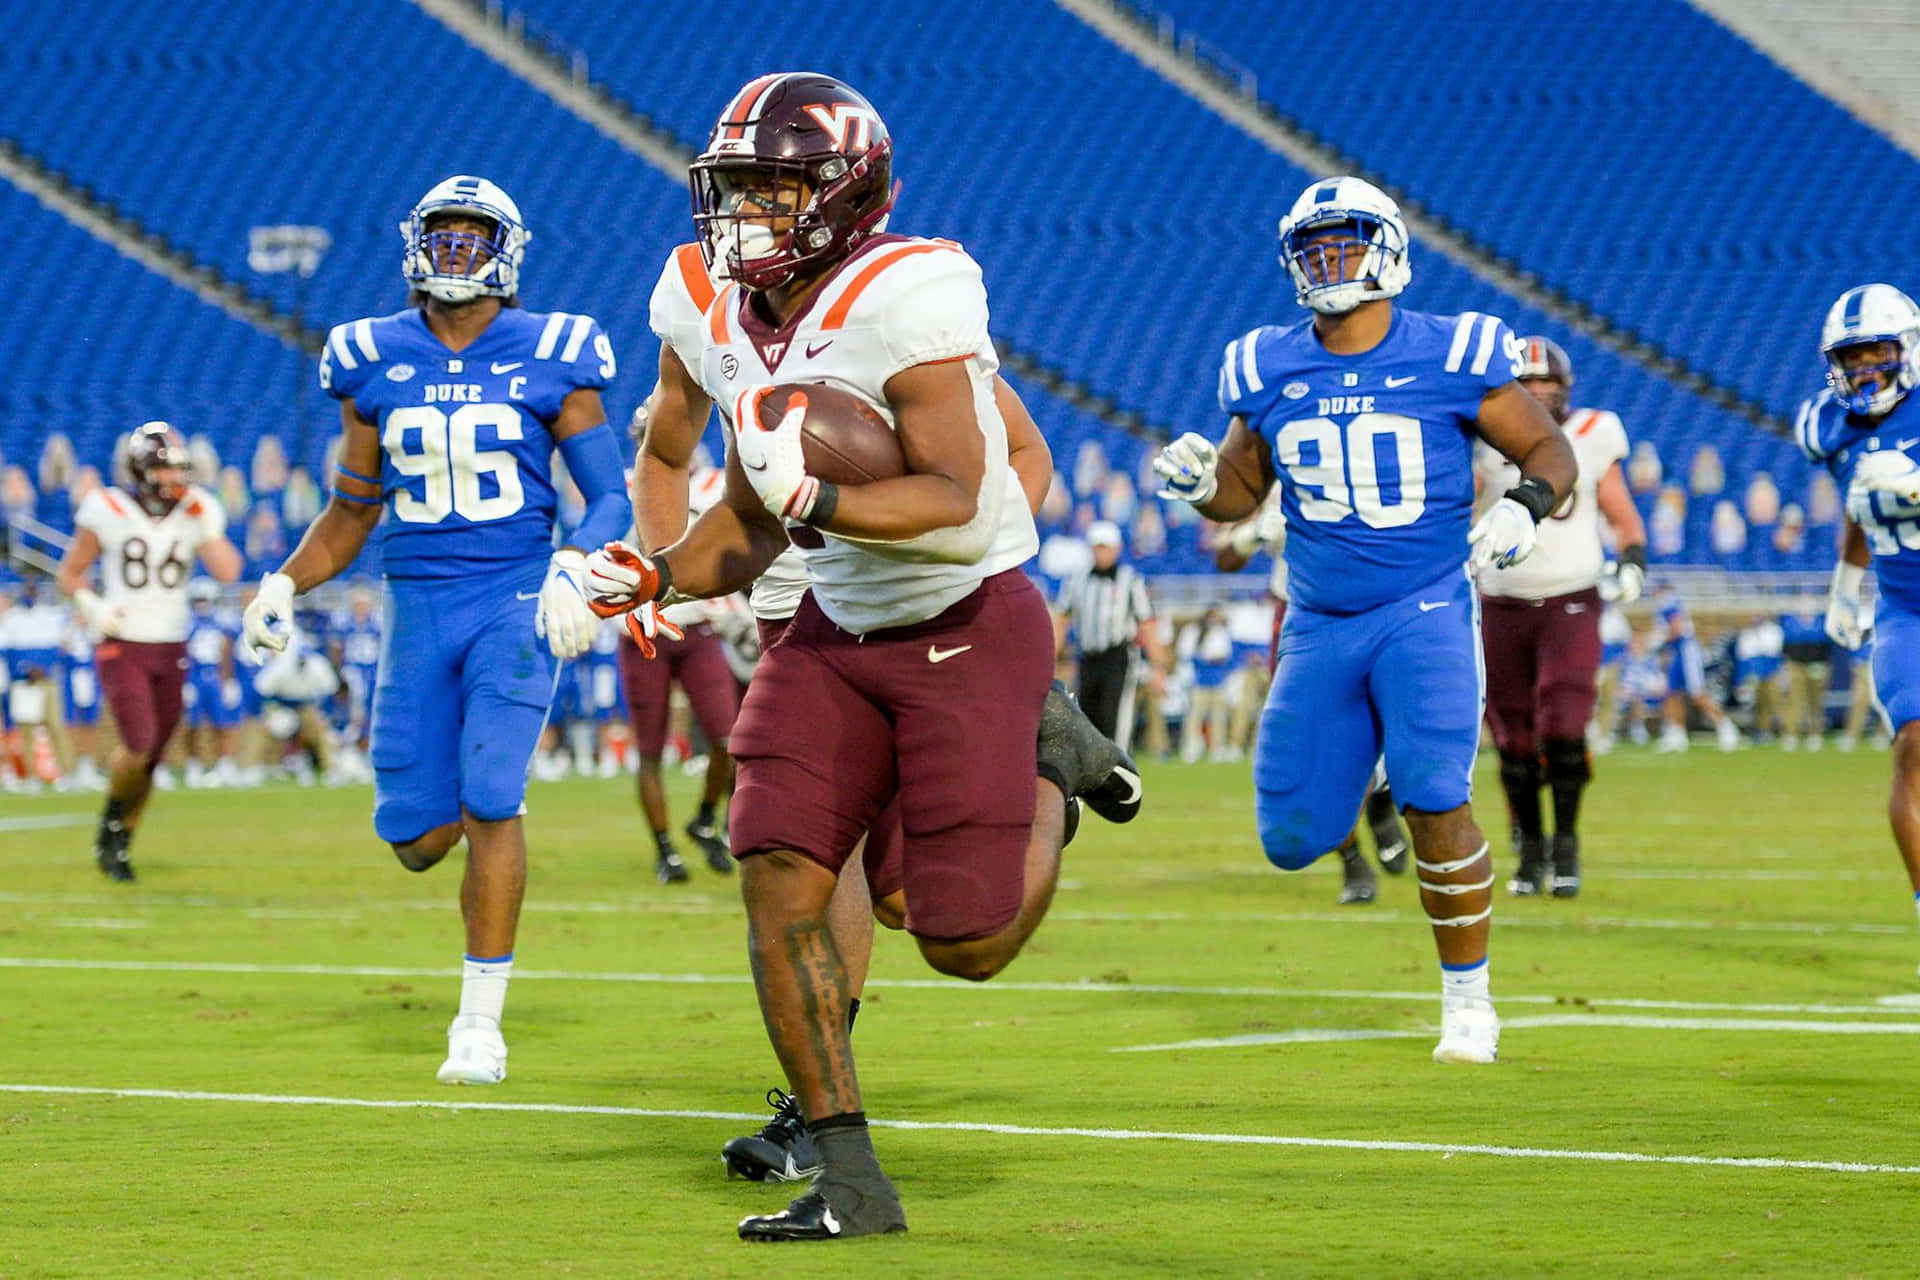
(1757, 661)
(1790, 535)
(1644, 471)
(1108, 614)
(266, 540)
(1667, 530)
(1823, 501)
(1707, 476)
(17, 500)
(1728, 531)
(203, 461)
(1205, 648)
(233, 493)
(1807, 650)
(1686, 673)
(300, 503)
(269, 468)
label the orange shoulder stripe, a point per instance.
(1587, 418)
(717, 315)
(837, 314)
(114, 502)
(693, 273)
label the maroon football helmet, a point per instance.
(796, 148)
(157, 467)
(1542, 360)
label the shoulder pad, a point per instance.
(1246, 370)
(879, 275)
(1818, 425)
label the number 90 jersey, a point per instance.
(467, 454)
(1373, 452)
(145, 562)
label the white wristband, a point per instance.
(1847, 580)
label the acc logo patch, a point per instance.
(400, 373)
(729, 365)
(1295, 390)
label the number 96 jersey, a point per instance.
(145, 561)
(466, 466)
(1373, 452)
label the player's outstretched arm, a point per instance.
(730, 545)
(674, 417)
(1225, 484)
(335, 538)
(1521, 429)
(222, 559)
(76, 567)
(1027, 450)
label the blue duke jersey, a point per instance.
(1373, 452)
(1837, 440)
(208, 640)
(466, 466)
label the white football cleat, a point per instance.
(1469, 1031)
(475, 1052)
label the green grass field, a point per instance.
(1736, 984)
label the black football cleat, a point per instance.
(1070, 822)
(1357, 885)
(1566, 866)
(667, 867)
(782, 1151)
(1389, 836)
(1086, 762)
(707, 837)
(110, 848)
(1531, 878)
(831, 1211)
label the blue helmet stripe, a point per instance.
(1855, 298)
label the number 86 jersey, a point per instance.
(467, 456)
(145, 560)
(1373, 452)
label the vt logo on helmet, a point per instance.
(455, 265)
(1343, 244)
(797, 173)
(1871, 340)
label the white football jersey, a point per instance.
(678, 315)
(1567, 556)
(897, 303)
(145, 562)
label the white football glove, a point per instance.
(1503, 537)
(1885, 471)
(1622, 582)
(563, 616)
(772, 458)
(1847, 620)
(268, 621)
(1186, 468)
(100, 617)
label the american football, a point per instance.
(845, 439)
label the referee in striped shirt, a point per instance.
(1109, 614)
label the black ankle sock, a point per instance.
(1520, 775)
(115, 814)
(704, 818)
(663, 841)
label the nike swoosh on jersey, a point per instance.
(526, 595)
(1428, 606)
(1401, 382)
(1908, 443)
(937, 654)
(509, 367)
(813, 351)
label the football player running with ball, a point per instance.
(920, 659)
(450, 412)
(1865, 429)
(1365, 416)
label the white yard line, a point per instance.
(1309, 1035)
(1444, 1149)
(1895, 1005)
(46, 821)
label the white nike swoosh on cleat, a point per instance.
(936, 654)
(1428, 606)
(1132, 780)
(831, 1223)
(507, 368)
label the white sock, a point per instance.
(1466, 982)
(483, 986)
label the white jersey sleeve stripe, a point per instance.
(1462, 331)
(1249, 369)
(337, 343)
(1489, 327)
(1230, 371)
(363, 338)
(582, 326)
(550, 336)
